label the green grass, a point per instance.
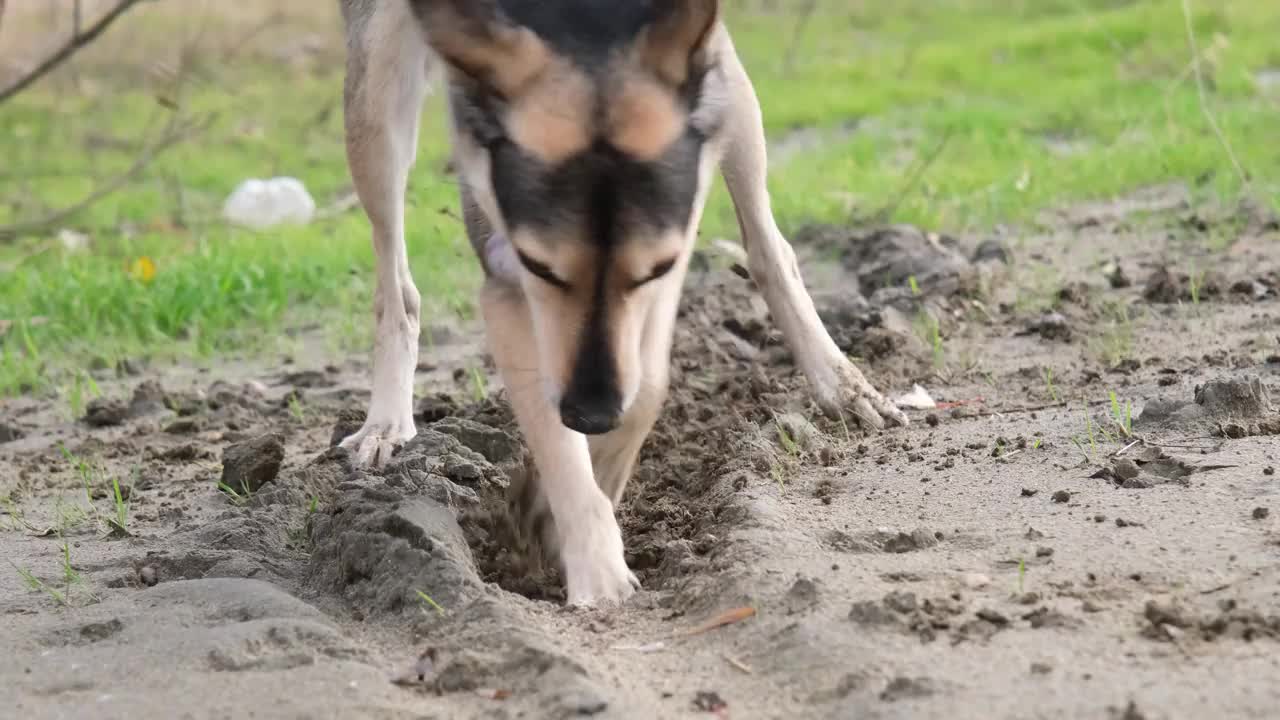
(71, 579)
(1122, 415)
(35, 583)
(237, 497)
(1048, 384)
(1027, 103)
(428, 602)
(119, 522)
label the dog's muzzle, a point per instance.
(590, 415)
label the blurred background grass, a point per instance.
(953, 114)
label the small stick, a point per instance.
(737, 663)
(78, 40)
(175, 133)
(728, 617)
(1204, 103)
(1125, 449)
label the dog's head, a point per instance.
(582, 135)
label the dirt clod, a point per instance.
(349, 421)
(709, 701)
(907, 688)
(1229, 406)
(248, 465)
(901, 602)
(1261, 513)
(149, 397)
(10, 432)
(870, 612)
(1050, 326)
(106, 412)
(1130, 712)
(1061, 496)
(993, 616)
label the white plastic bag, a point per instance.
(262, 204)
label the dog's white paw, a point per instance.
(372, 445)
(848, 391)
(591, 557)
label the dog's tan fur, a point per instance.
(538, 317)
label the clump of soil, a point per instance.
(1164, 285)
(1148, 466)
(248, 465)
(10, 432)
(1231, 407)
(105, 412)
(1170, 621)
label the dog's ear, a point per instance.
(676, 38)
(477, 39)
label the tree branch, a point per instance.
(174, 133)
(78, 40)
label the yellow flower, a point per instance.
(144, 269)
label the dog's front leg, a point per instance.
(836, 382)
(385, 87)
(587, 537)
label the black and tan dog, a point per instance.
(585, 135)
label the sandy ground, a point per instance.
(1016, 553)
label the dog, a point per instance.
(585, 135)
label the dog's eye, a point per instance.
(658, 271)
(540, 270)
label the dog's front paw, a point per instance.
(595, 572)
(372, 445)
(850, 391)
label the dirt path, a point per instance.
(1023, 550)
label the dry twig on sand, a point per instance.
(728, 617)
(77, 41)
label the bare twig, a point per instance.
(885, 213)
(1204, 103)
(741, 666)
(728, 617)
(1126, 448)
(175, 132)
(806, 13)
(78, 40)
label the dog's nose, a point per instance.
(589, 416)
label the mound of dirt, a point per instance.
(893, 258)
(1232, 407)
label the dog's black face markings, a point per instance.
(601, 195)
(606, 194)
(585, 30)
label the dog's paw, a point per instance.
(372, 445)
(850, 392)
(595, 572)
